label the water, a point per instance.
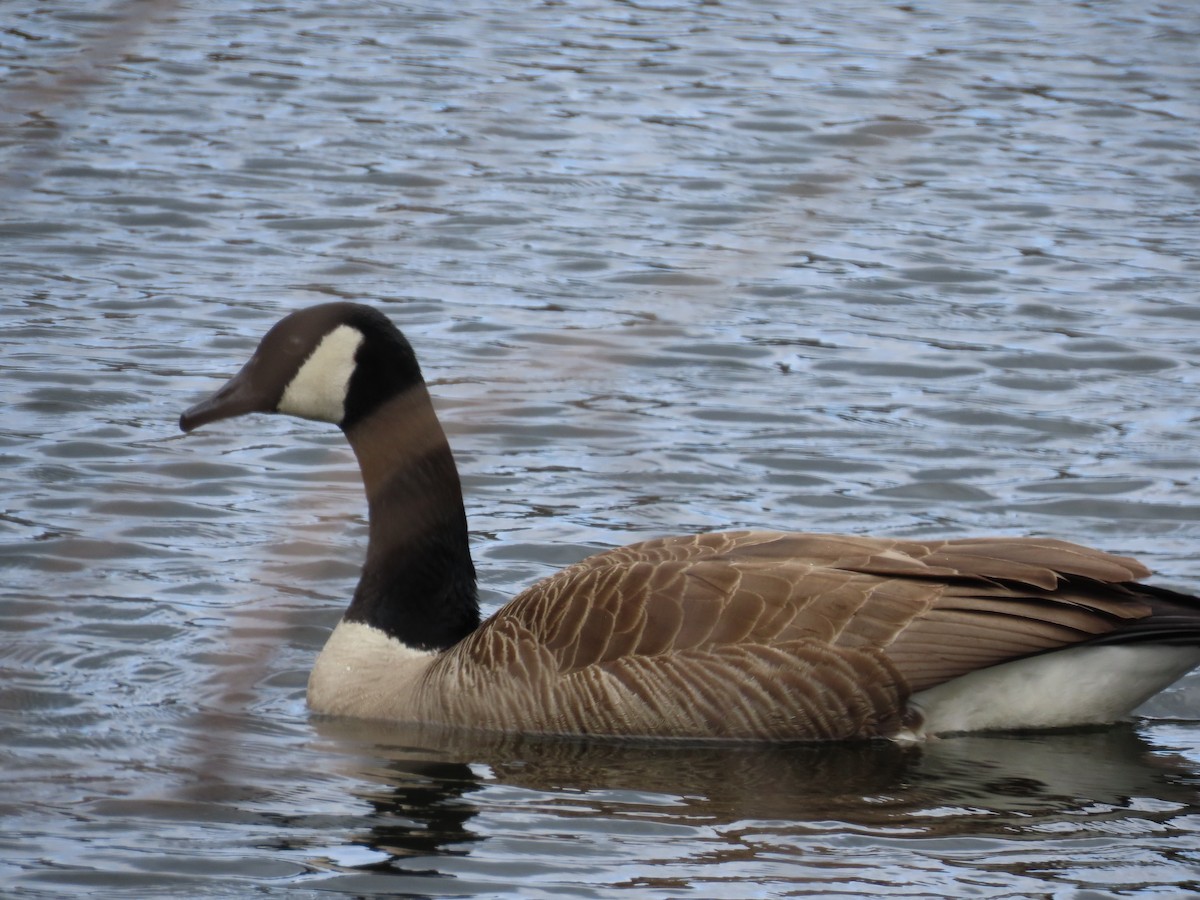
(902, 269)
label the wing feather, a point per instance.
(780, 635)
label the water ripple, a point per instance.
(897, 269)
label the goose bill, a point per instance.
(238, 396)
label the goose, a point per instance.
(733, 636)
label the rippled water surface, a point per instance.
(918, 269)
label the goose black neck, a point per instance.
(418, 581)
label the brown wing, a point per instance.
(940, 609)
(767, 634)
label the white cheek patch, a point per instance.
(318, 390)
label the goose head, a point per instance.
(347, 364)
(335, 362)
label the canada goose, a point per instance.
(747, 635)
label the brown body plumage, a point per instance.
(757, 636)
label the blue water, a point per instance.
(893, 269)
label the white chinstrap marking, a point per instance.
(318, 390)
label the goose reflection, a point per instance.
(425, 786)
(417, 796)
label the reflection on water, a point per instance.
(920, 270)
(985, 803)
